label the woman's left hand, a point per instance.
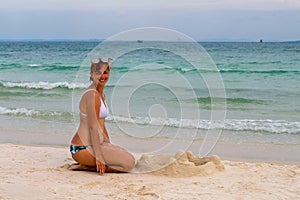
(100, 167)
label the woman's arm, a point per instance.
(96, 133)
(105, 134)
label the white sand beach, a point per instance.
(31, 172)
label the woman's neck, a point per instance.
(99, 88)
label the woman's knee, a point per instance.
(130, 163)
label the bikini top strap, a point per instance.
(101, 98)
(90, 90)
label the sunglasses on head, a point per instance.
(104, 60)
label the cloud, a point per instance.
(201, 19)
(136, 5)
(241, 4)
(294, 2)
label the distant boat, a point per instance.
(261, 41)
(139, 41)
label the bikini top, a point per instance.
(103, 109)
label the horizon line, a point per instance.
(100, 40)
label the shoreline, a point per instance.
(229, 146)
(43, 169)
(227, 158)
(247, 152)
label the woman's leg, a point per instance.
(117, 159)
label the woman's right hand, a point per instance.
(100, 167)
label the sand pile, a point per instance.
(182, 164)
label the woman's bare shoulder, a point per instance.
(90, 93)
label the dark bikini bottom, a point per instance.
(75, 149)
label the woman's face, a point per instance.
(101, 74)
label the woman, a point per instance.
(91, 146)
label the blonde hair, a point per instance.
(97, 65)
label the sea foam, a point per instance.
(43, 85)
(271, 126)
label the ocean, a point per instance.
(251, 97)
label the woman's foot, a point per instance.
(80, 167)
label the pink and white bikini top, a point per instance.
(103, 108)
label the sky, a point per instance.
(203, 20)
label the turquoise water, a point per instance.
(41, 83)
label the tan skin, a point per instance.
(92, 131)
